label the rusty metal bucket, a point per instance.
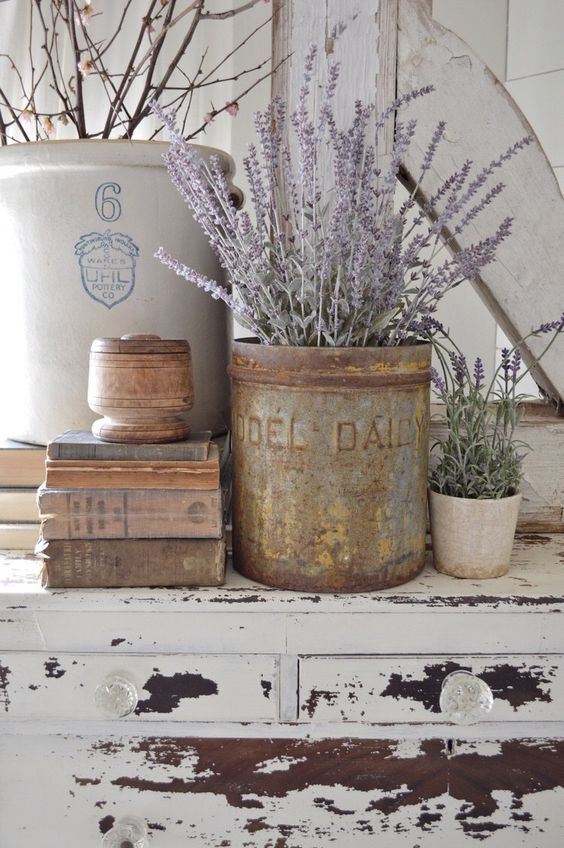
(330, 449)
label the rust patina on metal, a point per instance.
(330, 449)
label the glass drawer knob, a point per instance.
(465, 698)
(116, 696)
(128, 832)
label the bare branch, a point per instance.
(99, 66)
(235, 50)
(49, 50)
(14, 115)
(240, 96)
(143, 109)
(71, 8)
(118, 28)
(230, 13)
(63, 29)
(128, 77)
(3, 131)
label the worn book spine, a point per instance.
(19, 536)
(81, 563)
(130, 513)
(21, 465)
(137, 474)
(18, 504)
(83, 445)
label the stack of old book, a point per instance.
(22, 468)
(132, 514)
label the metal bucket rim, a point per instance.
(404, 365)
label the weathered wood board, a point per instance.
(245, 767)
(284, 793)
(44, 686)
(384, 44)
(367, 689)
(524, 287)
(345, 32)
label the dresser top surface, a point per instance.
(535, 580)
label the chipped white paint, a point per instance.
(176, 688)
(536, 572)
(367, 633)
(318, 731)
(279, 764)
(407, 749)
(83, 783)
(222, 633)
(486, 748)
(257, 646)
(369, 689)
(345, 31)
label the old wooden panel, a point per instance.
(212, 632)
(274, 793)
(344, 32)
(407, 689)
(176, 688)
(394, 633)
(19, 630)
(523, 287)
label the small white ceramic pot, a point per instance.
(472, 537)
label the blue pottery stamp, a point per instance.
(107, 266)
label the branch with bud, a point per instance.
(66, 26)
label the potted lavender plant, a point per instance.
(331, 400)
(477, 467)
(82, 186)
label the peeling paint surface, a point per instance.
(407, 689)
(166, 692)
(325, 662)
(5, 673)
(518, 684)
(53, 668)
(279, 764)
(329, 792)
(177, 688)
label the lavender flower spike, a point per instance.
(479, 374)
(438, 382)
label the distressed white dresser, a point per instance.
(244, 717)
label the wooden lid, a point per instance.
(141, 344)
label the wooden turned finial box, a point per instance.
(143, 387)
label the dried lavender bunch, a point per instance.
(481, 457)
(324, 260)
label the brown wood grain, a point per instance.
(283, 790)
(143, 386)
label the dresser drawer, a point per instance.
(407, 689)
(281, 793)
(138, 687)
